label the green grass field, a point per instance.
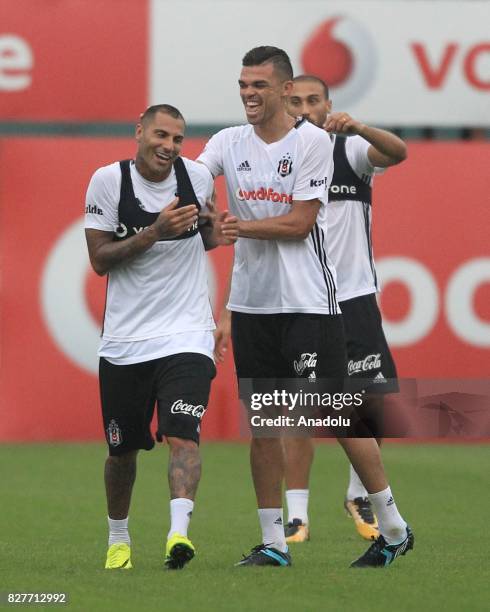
(53, 535)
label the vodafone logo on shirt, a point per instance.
(264, 193)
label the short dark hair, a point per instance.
(312, 78)
(168, 109)
(278, 57)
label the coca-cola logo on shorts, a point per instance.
(307, 360)
(370, 362)
(180, 407)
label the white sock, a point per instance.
(355, 488)
(118, 531)
(297, 501)
(180, 515)
(272, 526)
(391, 525)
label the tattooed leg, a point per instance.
(184, 468)
(119, 476)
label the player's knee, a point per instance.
(266, 442)
(181, 444)
(123, 458)
(268, 449)
(371, 418)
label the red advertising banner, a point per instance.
(73, 60)
(430, 239)
(431, 242)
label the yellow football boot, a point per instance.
(296, 531)
(178, 552)
(365, 520)
(118, 557)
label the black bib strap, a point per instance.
(127, 191)
(134, 218)
(346, 185)
(299, 122)
(185, 190)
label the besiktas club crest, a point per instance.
(285, 165)
(114, 435)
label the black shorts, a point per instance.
(370, 363)
(288, 352)
(179, 385)
(289, 345)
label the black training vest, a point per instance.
(346, 185)
(133, 219)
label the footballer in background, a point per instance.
(360, 152)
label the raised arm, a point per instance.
(386, 148)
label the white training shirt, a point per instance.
(262, 180)
(349, 230)
(157, 304)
